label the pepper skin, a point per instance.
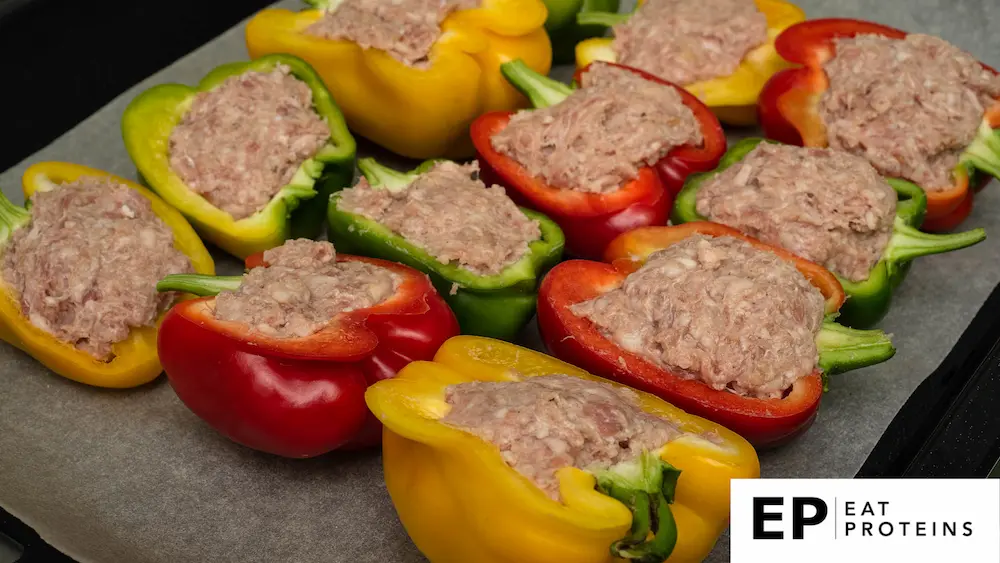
(732, 98)
(868, 301)
(497, 306)
(297, 211)
(789, 112)
(589, 220)
(764, 422)
(296, 397)
(418, 113)
(438, 475)
(565, 32)
(135, 361)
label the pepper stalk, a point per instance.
(12, 218)
(199, 284)
(908, 243)
(541, 90)
(984, 152)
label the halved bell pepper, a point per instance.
(733, 98)
(416, 112)
(565, 32)
(295, 211)
(440, 477)
(135, 361)
(764, 422)
(296, 397)
(497, 306)
(789, 112)
(589, 220)
(868, 301)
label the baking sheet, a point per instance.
(134, 477)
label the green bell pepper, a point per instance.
(868, 301)
(297, 210)
(564, 30)
(496, 306)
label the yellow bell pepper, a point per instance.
(418, 113)
(135, 359)
(460, 502)
(732, 98)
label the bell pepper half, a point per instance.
(789, 112)
(296, 397)
(439, 477)
(418, 113)
(295, 211)
(868, 301)
(732, 98)
(565, 32)
(497, 306)
(764, 422)
(135, 361)
(589, 220)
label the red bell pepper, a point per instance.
(788, 111)
(590, 221)
(297, 397)
(764, 422)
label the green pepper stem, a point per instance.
(541, 90)
(843, 349)
(12, 218)
(984, 152)
(605, 19)
(645, 485)
(380, 176)
(908, 243)
(199, 284)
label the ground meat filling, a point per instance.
(718, 310)
(302, 290)
(548, 422)
(827, 206)
(686, 41)
(601, 135)
(85, 268)
(405, 29)
(909, 106)
(243, 141)
(451, 214)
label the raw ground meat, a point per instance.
(452, 215)
(243, 141)
(405, 29)
(602, 134)
(827, 206)
(85, 268)
(544, 423)
(302, 289)
(687, 41)
(909, 106)
(718, 310)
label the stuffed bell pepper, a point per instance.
(917, 107)
(827, 206)
(279, 359)
(720, 324)
(722, 51)
(565, 32)
(79, 270)
(249, 155)
(559, 465)
(411, 75)
(602, 159)
(483, 253)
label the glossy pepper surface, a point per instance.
(497, 306)
(789, 112)
(565, 32)
(765, 422)
(418, 112)
(135, 360)
(297, 210)
(296, 397)
(733, 98)
(440, 477)
(590, 220)
(867, 301)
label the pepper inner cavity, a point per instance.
(826, 206)
(716, 310)
(243, 141)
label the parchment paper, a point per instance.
(134, 477)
